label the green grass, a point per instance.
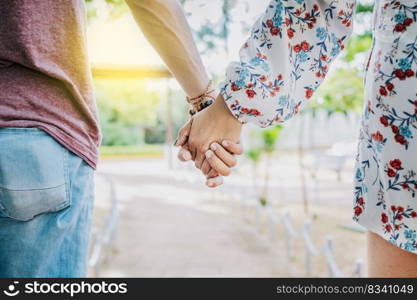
(132, 151)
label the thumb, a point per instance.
(184, 154)
(214, 181)
(183, 134)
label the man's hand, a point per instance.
(214, 124)
(210, 139)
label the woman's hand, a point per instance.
(223, 158)
(211, 138)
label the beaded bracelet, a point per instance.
(203, 101)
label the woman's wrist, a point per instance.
(220, 110)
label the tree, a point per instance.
(113, 8)
(125, 106)
(269, 137)
(342, 92)
(254, 155)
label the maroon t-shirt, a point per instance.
(45, 77)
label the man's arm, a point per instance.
(164, 24)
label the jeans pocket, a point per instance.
(33, 174)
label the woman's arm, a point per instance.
(286, 58)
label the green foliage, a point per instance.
(112, 8)
(357, 44)
(142, 150)
(270, 137)
(130, 98)
(263, 201)
(125, 107)
(179, 112)
(254, 154)
(342, 92)
(364, 7)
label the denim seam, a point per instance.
(23, 130)
(58, 208)
(66, 175)
(30, 190)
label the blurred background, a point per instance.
(287, 208)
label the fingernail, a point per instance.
(210, 184)
(213, 146)
(209, 154)
(186, 156)
(225, 143)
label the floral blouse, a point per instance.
(286, 58)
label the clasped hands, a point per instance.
(211, 139)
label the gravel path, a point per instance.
(170, 226)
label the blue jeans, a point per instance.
(46, 203)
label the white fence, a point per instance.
(326, 249)
(241, 201)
